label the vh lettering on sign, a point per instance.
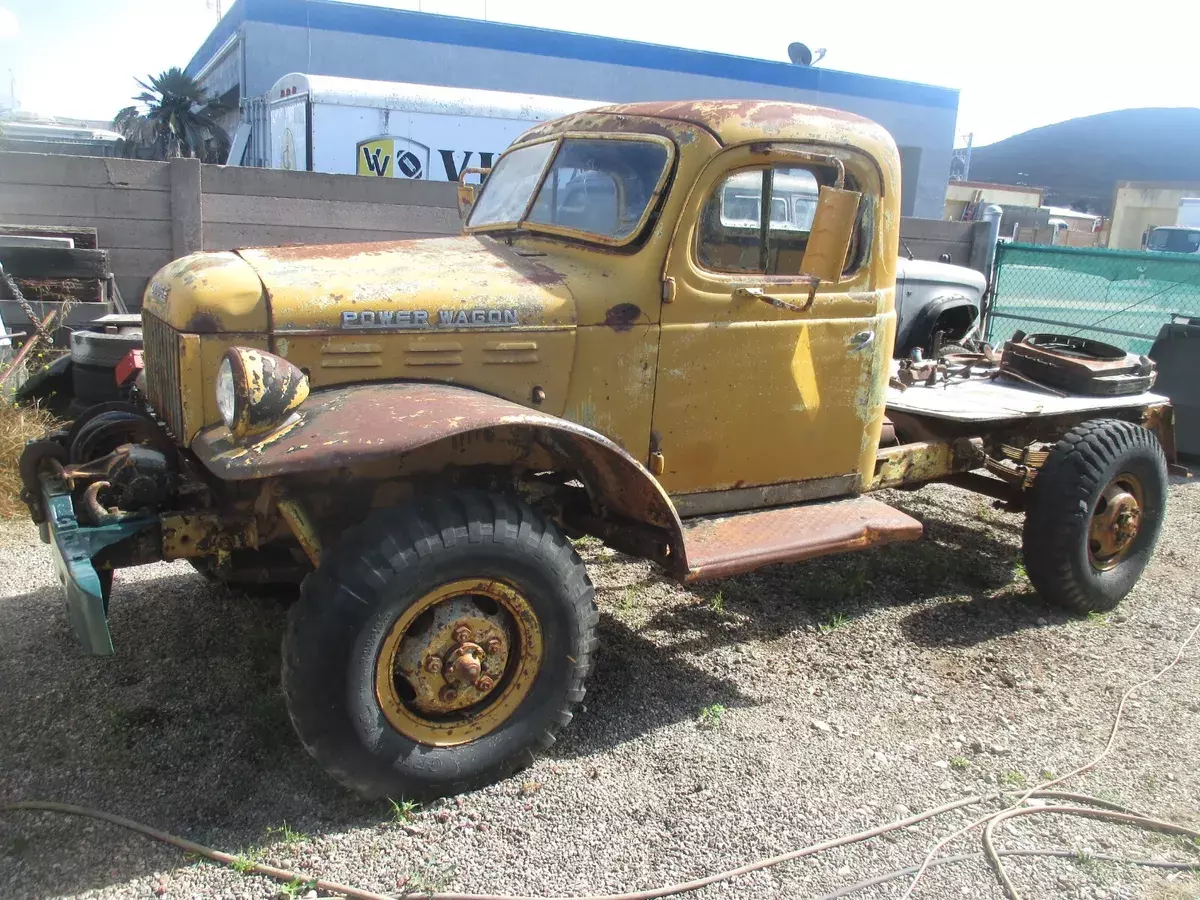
(394, 157)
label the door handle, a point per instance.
(861, 340)
(740, 293)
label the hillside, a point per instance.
(1083, 159)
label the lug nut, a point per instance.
(462, 634)
(433, 664)
(484, 683)
(448, 694)
(494, 645)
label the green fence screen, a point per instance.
(1121, 297)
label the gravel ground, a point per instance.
(839, 694)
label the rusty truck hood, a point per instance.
(453, 282)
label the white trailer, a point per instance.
(322, 123)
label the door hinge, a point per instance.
(658, 463)
(668, 292)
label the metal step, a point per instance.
(718, 546)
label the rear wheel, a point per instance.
(437, 646)
(1094, 514)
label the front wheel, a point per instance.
(1094, 514)
(437, 646)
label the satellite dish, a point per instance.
(799, 54)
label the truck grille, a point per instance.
(161, 349)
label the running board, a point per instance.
(718, 546)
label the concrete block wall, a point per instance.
(148, 213)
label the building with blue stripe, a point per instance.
(259, 41)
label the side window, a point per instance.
(732, 237)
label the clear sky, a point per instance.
(1018, 64)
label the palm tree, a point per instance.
(173, 116)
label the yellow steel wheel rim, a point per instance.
(457, 663)
(1115, 522)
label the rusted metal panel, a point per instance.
(728, 545)
(349, 426)
(1160, 419)
(302, 528)
(925, 461)
(411, 287)
(199, 534)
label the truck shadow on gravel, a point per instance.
(972, 573)
(185, 728)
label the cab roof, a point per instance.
(735, 121)
(731, 122)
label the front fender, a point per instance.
(348, 426)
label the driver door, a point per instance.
(768, 391)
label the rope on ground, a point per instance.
(1033, 791)
(969, 857)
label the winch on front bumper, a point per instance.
(94, 491)
(76, 549)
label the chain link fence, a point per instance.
(1120, 297)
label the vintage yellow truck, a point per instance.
(640, 335)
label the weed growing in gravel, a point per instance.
(717, 602)
(1047, 775)
(1019, 570)
(833, 623)
(434, 881)
(529, 788)
(297, 888)
(710, 716)
(587, 542)
(1097, 618)
(1089, 865)
(403, 811)
(287, 834)
(1013, 779)
(627, 600)
(961, 763)
(244, 862)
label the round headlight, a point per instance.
(225, 394)
(257, 391)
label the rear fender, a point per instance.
(350, 427)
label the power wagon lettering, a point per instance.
(419, 318)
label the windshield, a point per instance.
(1174, 240)
(600, 188)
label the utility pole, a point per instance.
(967, 158)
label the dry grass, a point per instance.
(18, 424)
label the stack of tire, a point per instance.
(95, 352)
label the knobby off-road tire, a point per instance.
(1101, 471)
(374, 581)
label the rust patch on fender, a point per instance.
(203, 323)
(306, 252)
(622, 317)
(364, 423)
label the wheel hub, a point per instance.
(1115, 522)
(458, 661)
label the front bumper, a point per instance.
(75, 546)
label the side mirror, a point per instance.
(832, 230)
(467, 192)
